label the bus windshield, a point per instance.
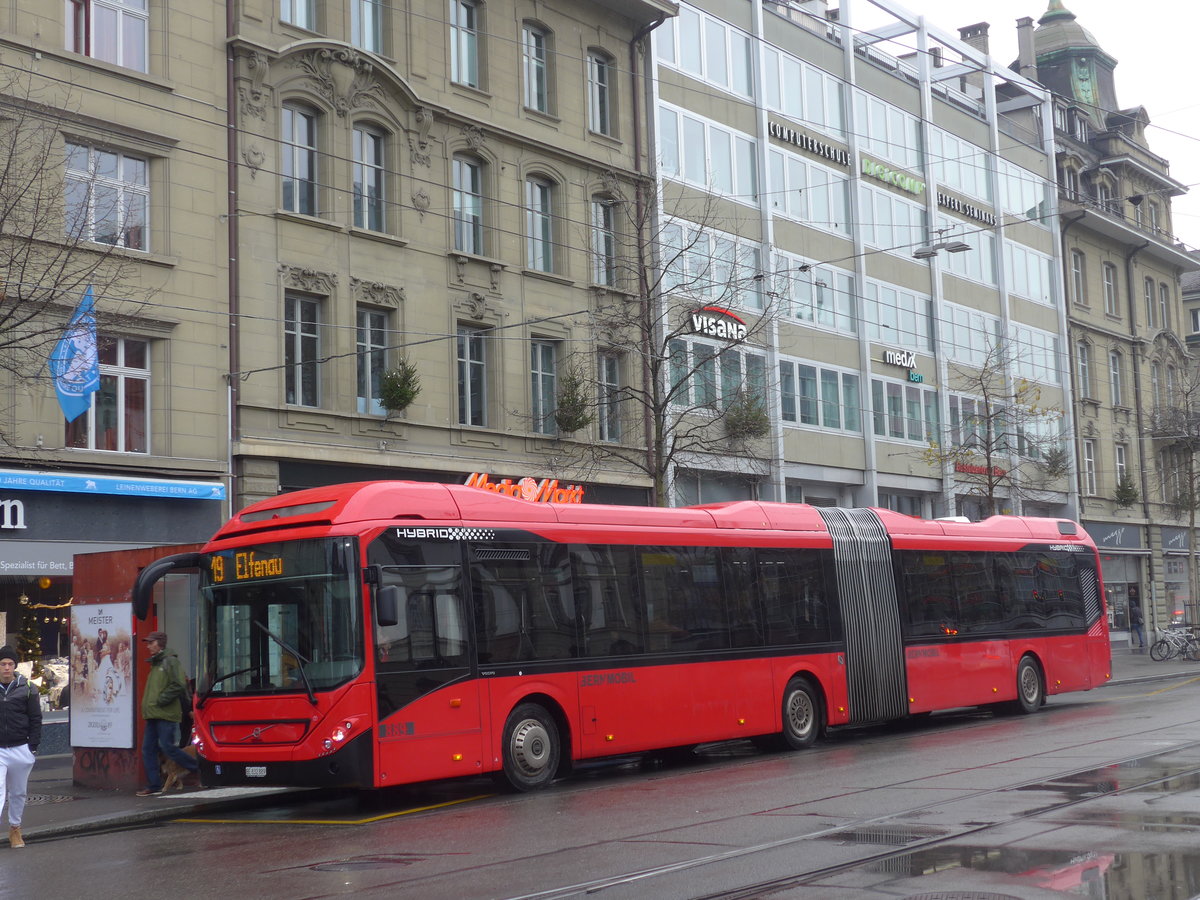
(280, 618)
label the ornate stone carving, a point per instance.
(460, 264)
(612, 185)
(254, 98)
(475, 305)
(376, 293)
(309, 280)
(475, 137)
(254, 157)
(418, 141)
(343, 76)
(421, 201)
(496, 269)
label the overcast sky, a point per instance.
(1156, 46)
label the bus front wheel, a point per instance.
(801, 714)
(531, 747)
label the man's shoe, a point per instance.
(14, 837)
(149, 792)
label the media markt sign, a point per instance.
(713, 321)
(545, 491)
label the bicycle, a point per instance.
(1175, 642)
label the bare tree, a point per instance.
(1001, 442)
(677, 274)
(56, 238)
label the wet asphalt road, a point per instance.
(1097, 795)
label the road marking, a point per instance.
(366, 821)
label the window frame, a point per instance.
(1079, 277)
(604, 240)
(468, 203)
(540, 196)
(1088, 451)
(608, 398)
(126, 191)
(300, 13)
(119, 375)
(1116, 386)
(371, 337)
(302, 350)
(601, 87)
(299, 192)
(83, 21)
(1083, 368)
(1112, 291)
(366, 24)
(369, 213)
(543, 377)
(465, 29)
(472, 352)
(536, 67)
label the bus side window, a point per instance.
(928, 593)
(451, 636)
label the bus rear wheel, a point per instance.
(801, 714)
(531, 747)
(1030, 693)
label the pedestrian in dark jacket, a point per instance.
(20, 734)
(162, 709)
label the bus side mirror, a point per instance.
(387, 605)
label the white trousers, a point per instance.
(15, 765)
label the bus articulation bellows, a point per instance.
(383, 633)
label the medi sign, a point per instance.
(544, 491)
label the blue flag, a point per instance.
(75, 364)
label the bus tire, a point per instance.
(531, 748)
(802, 709)
(1030, 692)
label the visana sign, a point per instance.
(713, 321)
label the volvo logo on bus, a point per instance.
(713, 321)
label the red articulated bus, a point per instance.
(382, 633)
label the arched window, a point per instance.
(539, 223)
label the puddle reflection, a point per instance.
(1106, 876)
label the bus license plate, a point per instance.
(256, 771)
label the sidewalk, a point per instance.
(57, 807)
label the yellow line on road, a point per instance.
(366, 821)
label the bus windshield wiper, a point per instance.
(216, 681)
(300, 659)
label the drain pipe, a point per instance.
(232, 238)
(648, 330)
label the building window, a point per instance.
(1083, 366)
(299, 164)
(1196, 321)
(1148, 289)
(371, 346)
(368, 179)
(366, 24)
(608, 397)
(1112, 297)
(1152, 214)
(703, 375)
(709, 49)
(1122, 454)
(301, 13)
(118, 418)
(543, 365)
(472, 376)
(1089, 467)
(1078, 278)
(1114, 378)
(1156, 384)
(604, 241)
(809, 395)
(468, 204)
(464, 42)
(107, 197)
(601, 75)
(302, 350)
(539, 224)
(113, 31)
(1164, 305)
(708, 155)
(535, 49)
(1071, 182)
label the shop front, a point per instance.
(1123, 558)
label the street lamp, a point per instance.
(931, 250)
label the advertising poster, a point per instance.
(102, 686)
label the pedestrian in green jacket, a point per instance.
(162, 710)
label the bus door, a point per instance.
(429, 722)
(866, 590)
